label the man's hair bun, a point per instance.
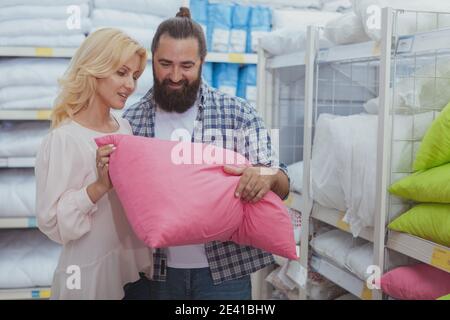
(184, 13)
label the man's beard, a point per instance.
(178, 100)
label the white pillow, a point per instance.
(336, 245)
(346, 29)
(288, 40)
(296, 174)
(359, 258)
(288, 18)
(326, 188)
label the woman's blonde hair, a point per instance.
(99, 56)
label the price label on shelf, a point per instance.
(236, 58)
(44, 294)
(341, 224)
(43, 52)
(43, 114)
(440, 258)
(366, 293)
(289, 200)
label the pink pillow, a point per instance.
(416, 282)
(170, 204)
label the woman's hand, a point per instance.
(103, 183)
(102, 161)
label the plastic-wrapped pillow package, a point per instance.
(260, 24)
(199, 12)
(345, 30)
(247, 84)
(177, 193)
(207, 72)
(238, 36)
(219, 27)
(225, 77)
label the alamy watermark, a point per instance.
(73, 22)
(73, 281)
(253, 146)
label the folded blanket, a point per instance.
(70, 41)
(40, 12)
(10, 3)
(21, 139)
(14, 93)
(193, 202)
(17, 193)
(31, 71)
(105, 17)
(163, 8)
(27, 259)
(41, 27)
(33, 104)
(143, 36)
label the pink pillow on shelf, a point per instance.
(416, 282)
(171, 197)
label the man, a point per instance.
(180, 100)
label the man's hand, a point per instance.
(255, 182)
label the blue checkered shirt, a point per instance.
(229, 122)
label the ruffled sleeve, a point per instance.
(63, 207)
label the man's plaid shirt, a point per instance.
(228, 122)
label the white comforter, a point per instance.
(21, 139)
(41, 27)
(27, 259)
(17, 192)
(9, 3)
(12, 93)
(103, 17)
(344, 161)
(31, 71)
(55, 41)
(40, 11)
(163, 8)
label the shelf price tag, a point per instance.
(343, 225)
(43, 52)
(440, 258)
(44, 294)
(366, 293)
(43, 114)
(236, 58)
(289, 200)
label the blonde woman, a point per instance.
(76, 205)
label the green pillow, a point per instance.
(430, 221)
(447, 297)
(435, 147)
(431, 185)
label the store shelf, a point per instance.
(287, 60)
(426, 251)
(355, 51)
(363, 50)
(23, 294)
(424, 41)
(294, 201)
(342, 278)
(335, 218)
(17, 162)
(18, 223)
(246, 58)
(37, 52)
(39, 114)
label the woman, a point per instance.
(75, 203)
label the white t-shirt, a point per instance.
(167, 127)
